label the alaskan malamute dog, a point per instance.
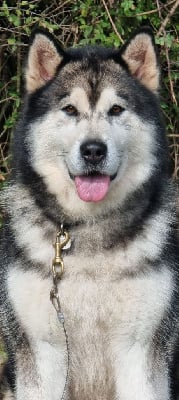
(95, 316)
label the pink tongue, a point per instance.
(92, 188)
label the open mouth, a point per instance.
(92, 187)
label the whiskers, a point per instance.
(62, 153)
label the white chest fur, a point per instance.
(105, 315)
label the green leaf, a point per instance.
(14, 19)
(11, 41)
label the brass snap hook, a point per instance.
(62, 238)
(57, 270)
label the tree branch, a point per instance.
(166, 20)
(112, 22)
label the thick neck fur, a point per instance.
(115, 230)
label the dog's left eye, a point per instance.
(115, 110)
(70, 110)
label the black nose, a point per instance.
(93, 151)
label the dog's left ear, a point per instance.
(139, 54)
(44, 57)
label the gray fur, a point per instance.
(119, 288)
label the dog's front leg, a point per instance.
(139, 376)
(41, 375)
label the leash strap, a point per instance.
(62, 243)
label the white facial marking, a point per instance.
(79, 99)
(107, 99)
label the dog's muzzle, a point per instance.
(93, 184)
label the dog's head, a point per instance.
(93, 130)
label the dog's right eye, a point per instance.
(70, 110)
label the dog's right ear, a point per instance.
(44, 56)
